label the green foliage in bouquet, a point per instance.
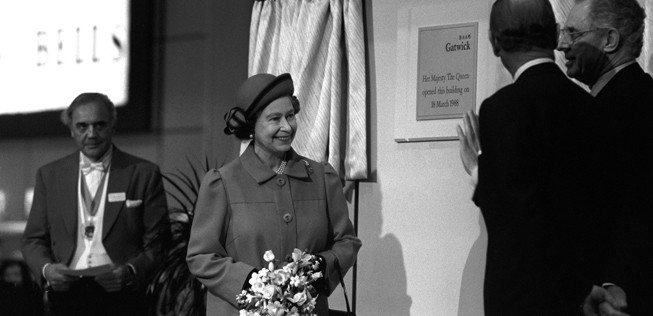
(173, 289)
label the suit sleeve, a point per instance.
(207, 257)
(155, 227)
(343, 245)
(36, 237)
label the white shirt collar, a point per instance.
(530, 64)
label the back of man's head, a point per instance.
(626, 16)
(521, 25)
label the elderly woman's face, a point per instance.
(276, 126)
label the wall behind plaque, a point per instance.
(423, 238)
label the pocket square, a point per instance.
(133, 203)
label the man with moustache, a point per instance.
(92, 233)
(601, 40)
(531, 173)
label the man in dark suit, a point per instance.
(601, 40)
(532, 176)
(93, 229)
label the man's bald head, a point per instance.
(521, 25)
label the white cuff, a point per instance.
(131, 266)
(43, 271)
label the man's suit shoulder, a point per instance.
(541, 82)
(60, 163)
(122, 159)
(629, 91)
(131, 159)
(540, 93)
(630, 82)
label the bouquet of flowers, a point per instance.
(282, 292)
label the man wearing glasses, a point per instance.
(601, 40)
(532, 188)
(92, 230)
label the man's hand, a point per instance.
(59, 281)
(115, 280)
(600, 302)
(470, 146)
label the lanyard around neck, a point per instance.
(91, 206)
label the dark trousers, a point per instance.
(86, 298)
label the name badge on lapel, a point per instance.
(117, 197)
(133, 203)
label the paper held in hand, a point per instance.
(93, 271)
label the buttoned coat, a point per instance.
(245, 208)
(128, 233)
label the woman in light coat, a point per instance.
(270, 198)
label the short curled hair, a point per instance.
(626, 16)
(243, 127)
(520, 25)
(86, 98)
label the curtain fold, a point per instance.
(646, 56)
(321, 44)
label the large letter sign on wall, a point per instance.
(52, 50)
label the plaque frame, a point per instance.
(488, 67)
(446, 66)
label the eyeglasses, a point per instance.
(572, 37)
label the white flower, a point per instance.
(254, 278)
(268, 291)
(295, 281)
(299, 298)
(257, 286)
(268, 256)
(276, 309)
(281, 277)
(289, 267)
(296, 255)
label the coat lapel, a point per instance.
(67, 179)
(119, 177)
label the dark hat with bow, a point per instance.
(254, 95)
